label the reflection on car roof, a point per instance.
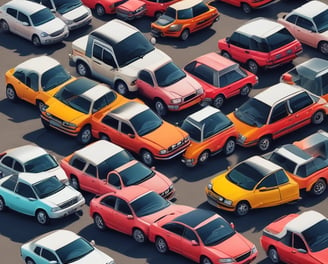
(194, 217)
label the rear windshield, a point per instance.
(279, 39)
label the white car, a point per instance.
(32, 21)
(60, 247)
(31, 159)
(72, 12)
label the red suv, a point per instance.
(261, 43)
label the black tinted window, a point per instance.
(292, 19)
(300, 101)
(8, 161)
(146, 77)
(199, 9)
(109, 121)
(126, 129)
(78, 163)
(174, 228)
(91, 170)
(279, 39)
(185, 13)
(305, 23)
(123, 207)
(269, 181)
(109, 201)
(48, 255)
(24, 190)
(12, 12)
(279, 112)
(10, 183)
(97, 52)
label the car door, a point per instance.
(123, 220)
(111, 183)
(190, 244)
(25, 199)
(31, 87)
(23, 26)
(91, 181)
(11, 18)
(267, 192)
(288, 192)
(200, 18)
(239, 47)
(128, 138)
(146, 85)
(305, 31)
(231, 82)
(172, 234)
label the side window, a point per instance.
(48, 255)
(109, 201)
(20, 76)
(77, 163)
(174, 228)
(24, 190)
(126, 129)
(18, 166)
(279, 112)
(32, 81)
(205, 73)
(123, 207)
(298, 242)
(8, 161)
(281, 177)
(146, 77)
(299, 102)
(269, 181)
(304, 23)
(37, 250)
(292, 19)
(234, 39)
(109, 121)
(91, 170)
(10, 183)
(189, 234)
(244, 41)
(12, 12)
(23, 18)
(199, 9)
(97, 51)
(229, 77)
(287, 239)
(113, 179)
(108, 59)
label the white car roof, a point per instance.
(39, 64)
(26, 152)
(312, 68)
(129, 110)
(304, 221)
(158, 63)
(185, 4)
(27, 7)
(56, 239)
(260, 27)
(289, 151)
(96, 92)
(262, 164)
(203, 113)
(32, 178)
(98, 151)
(311, 9)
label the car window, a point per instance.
(32, 81)
(278, 112)
(12, 12)
(305, 23)
(37, 250)
(239, 40)
(47, 3)
(48, 255)
(123, 207)
(53, 77)
(10, 183)
(77, 163)
(24, 190)
(320, 21)
(23, 18)
(287, 239)
(269, 181)
(126, 129)
(189, 234)
(109, 201)
(299, 102)
(103, 101)
(108, 59)
(230, 77)
(258, 44)
(146, 77)
(174, 228)
(185, 14)
(18, 167)
(311, 167)
(199, 9)
(8, 161)
(201, 71)
(287, 164)
(279, 39)
(110, 121)
(281, 177)
(114, 179)
(91, 170)
(292, 19)
(298, 242)
(97, 51)
(20, 75)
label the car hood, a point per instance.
(52, 26)
(158, 183)
(243, 128)
(321, 256)
(62, 196)
(164, 20)
(96, 256)
(131, 5)
(183, 87)
(76, 13)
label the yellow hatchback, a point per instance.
(252, 183)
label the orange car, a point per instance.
(135, 127)
(210, 133)
(278, 110)
(184, 17)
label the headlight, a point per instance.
(210, 186)
(176, 101)
(227, 202)
(68, 22)
(55, 209)
(68, 124)
(175, 28)
(80, 197)
(226, 260)
(162, 151)
(44, 34)
(254, 250)
(242, 138)
(199, 91)
(171, 187)
(44, 108)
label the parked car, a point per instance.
(220, 77)
(132, 210)
(168, 87)
(274, 112)
(33, 22)
(309, 24)
(103, 167)
(114, 59)
(70, 109)
(297, 238)
(72, 12)
(36, 80)
(202, 236)
(131, 9)
(103, 7)
(156, 8)
(210, 132)
(250, 184)
(135, 127)
(260, 43)
(62, 246)
(248, 5)
(39, 195)
(31, 159)
(311, 75)
(183, 18)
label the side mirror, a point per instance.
(129, 216)
(131, 135)
(153, 40)
(302, 250)
(287, 78)
(92, 242)
(194, 243)
(27, 24)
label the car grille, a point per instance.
(189, 97)
(69, 203)
(178, 145)
(57, 33)
(244, 256)
(54, 119)
(81, 17)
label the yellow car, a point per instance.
(36, 80)
(252, 183)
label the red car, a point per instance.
(202, 236)
(132, 210)
(220, 77)
(261, 42)
(297, 238)
(155, 8)
(248, 5)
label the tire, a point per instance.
(245, 90)
(205, 260)
(99, 222)
(11, 93)
(319, 187)
(273, 255)
(147, 158)
(160, 107)
(2, 205)
(246, 8)
(242, 208)
(100, 10)
(184, 34)
(40, 105)
(218, 101)
(139, 236)
(225, 54)
(36, 41)
(264, 143)
(85, 136)
(323, 47)
(252, 66)
(318, 118)
(82, 69)
(4, 26)
(29, 261)
(121, 88)
(203, 157)
(45, 124)
(161, 245)
(229, 147)
(75, 182)
(42, 217)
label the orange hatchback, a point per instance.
(183, 18)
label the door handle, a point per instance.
(246, 51)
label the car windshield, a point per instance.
(41, 17)
(169, 74)
(48, 187)
(146, 122)
(245, 176)
(316, 236)
(194, 131)
(41, 163)
(287, 163)
(321, 21)
(253, 112)
(74, 251)
(132, 48)
(77, 102)
(54, 77)
(149, 203)
(136, 174)
(215, 232)
(279, 39)
(64, 6)
(170, 12)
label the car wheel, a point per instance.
(45, 123)
(218, 101)
(29, 261)
(252, 66)
(138, 235)
(323, 47)
(319, 187)
(121, 88)
(245, 90)
(85, 136)
(242, 208)
(4, 26)
(11, 93)
(203, 157)
(205, 260)
(42, 217)
(99, 222)
(82, 68)
(246, 8)
(2, 204)
(185, 34)
(161, 245)
(160, 107)
(229, 146)
(318, 118)
(147, 157)
(36, 41)
(74, 182)
(264, 143)
(225, 54)
(104, 137)
(40, 105)
(100, 10)
(273, 255)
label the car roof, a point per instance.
(194, 217)
(38, 64)
(27, 7)
(203, 113)
(262, 165)
(304, 221)
(315, 144)
(98, 151)
(294, 153)
(26, 152)
(129, 110)
(180, 5)
(158, 63)
(132, 192)
(312, 68)
(216, 61)
(56, 239)
(32, 178)
(311, 9)
(260, 27)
